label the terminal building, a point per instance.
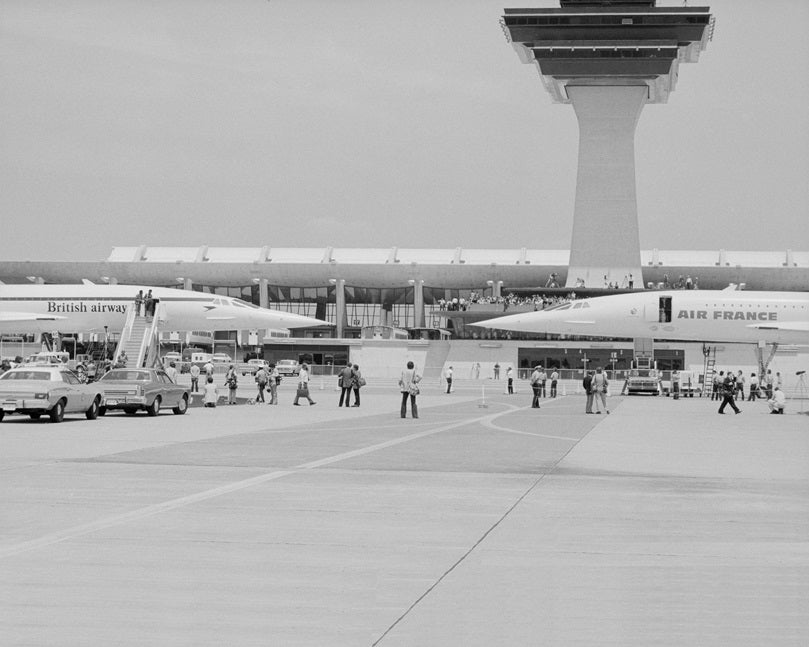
(395, 298)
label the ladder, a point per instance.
(709, 371)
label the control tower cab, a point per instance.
(608, 58)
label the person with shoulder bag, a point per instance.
(345, 382)
(232, 382)
(599, 387)
(409, 386)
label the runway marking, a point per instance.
(491, 425)
(173, 504)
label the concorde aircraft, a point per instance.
(91, 308)
(695, 315)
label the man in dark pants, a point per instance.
(535, 385)
(346, 384)
(587, 383)
(728, 391)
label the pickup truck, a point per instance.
(252, 365)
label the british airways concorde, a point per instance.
(689, 315)
(90, 308)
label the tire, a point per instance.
(35, 416)
(154, 408)
(2, 414)
(57, 413)
(102, 411)
(92, 412)
(182, 406)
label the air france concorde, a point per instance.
(695, 315)
(91, 308)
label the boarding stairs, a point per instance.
(139, 339)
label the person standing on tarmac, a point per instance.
(587, 383)
(303, 386)
(599, 387)
(357, 382)
(510, 378)
(554, 382)
(194, 371)
(536, 386)
(261, 383)
(171, 371)
(408, 385)
(728, 391)
(448, 376)
(346, 382)
(272, 383)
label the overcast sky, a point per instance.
(371, 123)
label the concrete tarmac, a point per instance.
(662, 523)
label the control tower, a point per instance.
(608, 58)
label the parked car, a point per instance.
(288, 367)
(149, 389)
(221, 358)
(252, 365)
(35, 390)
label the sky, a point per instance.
(371, 123)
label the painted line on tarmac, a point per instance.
(491, 425)
(174, 504)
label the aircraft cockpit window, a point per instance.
(577, 306)
(245, 304)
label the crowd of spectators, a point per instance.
(538, 301)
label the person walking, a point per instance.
(210, 394)
(448, 376)
(357, 382)
(409, 386)
(535, 386)
(345, 381)
(261, 383)
(148, 304)
(194, 371)
(555, 381)
(587, 383)
(232, 382)
(728, 391)
(510, 378)
(303, 386)
(599, 387)
(272, 383)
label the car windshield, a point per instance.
(128, 376)
(27, 375)
(287, 362)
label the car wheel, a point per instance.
(92, 412)
(2, 414)
(182, 406)
(57, 413)
(35, 416)
(154, 408)
(102, 411)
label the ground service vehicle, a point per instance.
(149, 389)
(643, 377)
(36, 390)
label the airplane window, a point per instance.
(246, 304)
(577, 306)
(585, 304)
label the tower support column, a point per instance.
(605, 240)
